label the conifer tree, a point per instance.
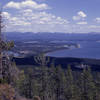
(29, 84)
(71, 92)
(42, 60)
(52, 81)
(20, 83)
(60, 83)
(89, 91)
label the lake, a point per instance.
(88, 49)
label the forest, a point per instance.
(47, 83)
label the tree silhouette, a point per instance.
(42, 60)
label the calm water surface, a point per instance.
(88, 49)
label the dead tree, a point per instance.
(42, 60)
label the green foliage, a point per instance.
(6, 45)
(55, 83)
(88, 85)
(3, 81)
(70, 90)
(9, 45)
(20, 83)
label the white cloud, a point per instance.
(82, 23)
(38, 21)
(6, 15)
(13, 5)
(30, 16)
(25, 18)
(27, 4)
(76, 18)
(97, 19)
(18, 22)
(80, 16)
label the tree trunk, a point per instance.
(0, 65)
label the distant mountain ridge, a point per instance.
(18, 36)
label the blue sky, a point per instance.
(69, 16)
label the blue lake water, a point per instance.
(88, 49)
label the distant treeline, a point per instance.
(94, 63)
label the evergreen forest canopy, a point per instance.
(43, 82)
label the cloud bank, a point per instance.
(27, 4)
(30, 16)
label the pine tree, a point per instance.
(89, 91)
(97, 76)
(71, 90)
(42, 60)
(52, 81)
(60, 83)
(20, 83)
(29, 84)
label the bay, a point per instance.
(88, 49)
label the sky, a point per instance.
(66, 16)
